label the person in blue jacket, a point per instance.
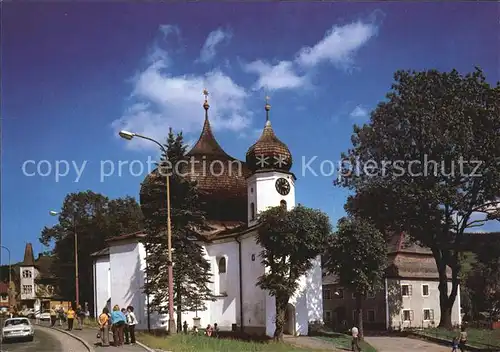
(118, 322)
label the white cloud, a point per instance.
(161, 100)
(358, 113)
(215, 38)
(275, 77)
(338, 46)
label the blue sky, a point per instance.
(76, 73)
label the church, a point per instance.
(234, 192)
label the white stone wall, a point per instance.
(262, 192)
(102, 284)
(127, 279)
(28, 281)
(416, 303)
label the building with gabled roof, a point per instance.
(409, 298)
(232, 193)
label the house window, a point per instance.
(370, 315)
(222, 275)
(328, 316)
(407, 315)
(371, 295)
(222, 265)
(406, 290)
(283, 204)
(428, 314)
(327, 294)
(4, 297)
(27, 289)
(425, 290)
(354, 316)
(339, 293)
(26, 274)
(252, 211)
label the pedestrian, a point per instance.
(215, 332)
(131, 321)
(104, 327)
(462, 342)
(125, 327)
(355, 340)
(185, 327)
(118, 322)
(209, 331)
(70, 315)
(454, 345)
(53, 316)
(78, 313)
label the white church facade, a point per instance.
(234, 195)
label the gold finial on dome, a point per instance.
(267, 107)
(205, 104)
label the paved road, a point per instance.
(403, 344)
(46, 340)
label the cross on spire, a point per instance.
(205, 104)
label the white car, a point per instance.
(43, 316)
(17, 328)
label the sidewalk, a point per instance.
(89, 334)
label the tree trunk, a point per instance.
(446, 302)
(281, 303)
(359, 309)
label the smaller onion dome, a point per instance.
(268, 153)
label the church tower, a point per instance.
(270, 183)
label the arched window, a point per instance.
(283, 204)
(222, 265)
(252, 211)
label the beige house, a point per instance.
(409, 299)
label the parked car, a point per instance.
(43, 316)
(17, 328)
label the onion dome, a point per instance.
(269, 153)
(220, 178)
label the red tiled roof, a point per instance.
(4, 287)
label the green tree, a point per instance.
(192, 277)
(429, 164)
(95, 218)
(483, 281)
(358, 256)
(291, 240)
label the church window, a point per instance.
(26, 274)
(252, 211)
(251, 190)
(283, 204)
(222, 265)
(253, 257)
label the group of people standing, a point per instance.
(121, 322)
(69, 316)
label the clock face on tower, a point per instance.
(282, 186)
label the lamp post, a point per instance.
(77, 280)
(171, 321)
(10, 276)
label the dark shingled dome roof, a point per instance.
(269, 146)
(220, 178)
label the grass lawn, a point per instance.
(476, 337)
(342, 341)
(191, 343)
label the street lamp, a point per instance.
(10, 276)
(171, 321)
(77, 281)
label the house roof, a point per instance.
(4, 287)
(402, 244)
(102, 253)
(29, 258)
(127, 236)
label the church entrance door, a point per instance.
(289, 328)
